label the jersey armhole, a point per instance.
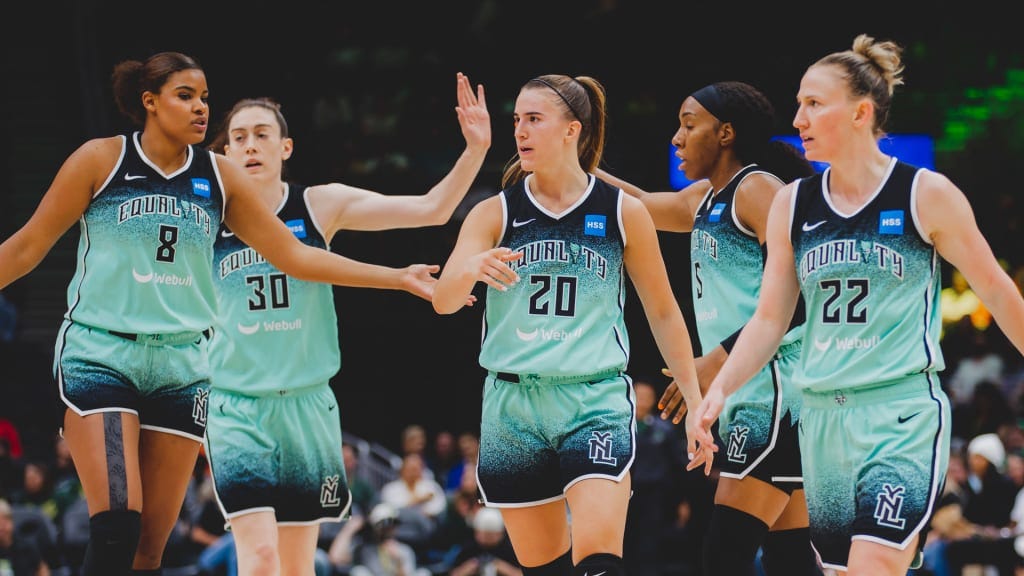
(117, 166)
(913, 207)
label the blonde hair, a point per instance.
(872, 69)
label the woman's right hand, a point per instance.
(491, 267)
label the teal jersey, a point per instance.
(146, 246)
(871, 285)
(268, 320)
(726, 266)
(565, 316)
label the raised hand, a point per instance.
(473, 116)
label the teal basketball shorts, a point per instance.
(758, 427)
(874, 463)
(162, 378)
(279, 453)
(540, 436)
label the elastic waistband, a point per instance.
(540, 379)
(284, 392)
(788, 349)
(907, 387)
(170, 339)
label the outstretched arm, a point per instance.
(256, 225)
(65, 201)
(642, 257)
(671, 211)
(341, 207)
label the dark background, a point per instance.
(369, 90)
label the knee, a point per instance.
(790, 552)
(558, 567)
(731, 542)
(607, 564)
(263, 558)
(113, 538)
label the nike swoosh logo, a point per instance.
(517, 224)
(902, 419)
(808, 227)
(226, 234)
(131, 177)
(331, 408)
(598, 574)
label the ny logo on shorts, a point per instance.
(737, 444)
(329, 492)
(199, 406)
(890, 502)
(601, 449)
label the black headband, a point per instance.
(712, 101)
(560, 95)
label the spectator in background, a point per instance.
(18, 556)
(978, 362)
(488, 552)
(9, 434)
(657, 476)
(67, 487)
(419, 500)
(958, 301)
(469, 452)
(414, 441)
(369, 547)
(444, 456)
(456, 526)
(363, 493)
(989, 498)
(987, 411)
(36, 490)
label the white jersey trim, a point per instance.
(828, 196)
(117, 166)
(142, 155)
(586, 194)
(913, 207)
(220, 183)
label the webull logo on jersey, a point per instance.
(560, 251)
(846, 344)
(549, 335)
(594, 225)
(238, 260)
(839, 252)
(163, 205)
(270, 326)
(298, 227)
(164, 279)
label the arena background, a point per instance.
(368, 89)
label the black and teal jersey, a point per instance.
(565, 315)
(264, 313)
(146, 246)
(871, 284)
(726, 266)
